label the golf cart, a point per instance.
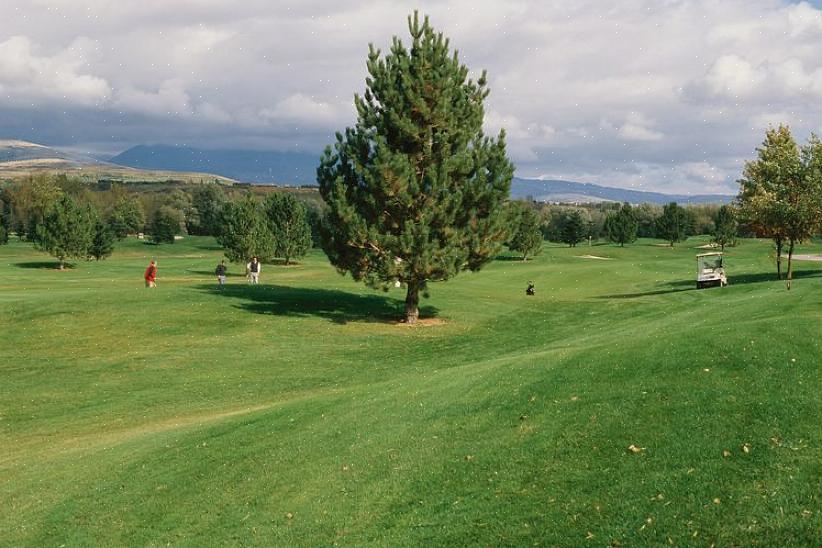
(710, 270)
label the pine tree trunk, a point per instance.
(778, 258)
(790, 265)
(412, 303)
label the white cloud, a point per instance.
(638, 128)
(706, 76)
(60, 76)
(301, 109)
(170, 99)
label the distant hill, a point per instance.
(250, 166)
(569, 191)
(24, 151)
(21, 158)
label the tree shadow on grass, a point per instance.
(771, 276)
(336, 306)
(211, 273)
(690, 285)
(45, 265)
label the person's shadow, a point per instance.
(333, 305)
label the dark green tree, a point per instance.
(415, 190)
(573, 229)
(315, 221)
(66, 230)
(5, 216)
(621, 225)
(646, 215)
(526, 236)
(103, 238)
(726, 227)
(244, 232)
(673, 224)
(166, 225)
(288, 223)
(127, 217)
(207, 203)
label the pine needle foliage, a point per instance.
(415, 190)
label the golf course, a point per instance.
(619, 405)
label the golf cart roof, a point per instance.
(709, 254)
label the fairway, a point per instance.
(298, 412)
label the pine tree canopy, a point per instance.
(415, 189)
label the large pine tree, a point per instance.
(415, 190)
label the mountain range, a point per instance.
(21, 158)
(248, 166)
(573, 192)
(282, 168)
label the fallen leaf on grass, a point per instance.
(589, 536)
(726, 453)
(717, 501)
(746, 447)
(289, 515)
(469, 458)
(634, 449)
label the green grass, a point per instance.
(298, 413)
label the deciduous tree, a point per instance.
(244, 232)
(288, 223)
(778, 191)
(127, 217)
(166, 225)
(726, 227)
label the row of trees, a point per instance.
(781, 193)
(621, 224)
(278, 226)
(70, 220)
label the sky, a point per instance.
(664, 95)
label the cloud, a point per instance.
(638, 128)
(60, 76)
(300, 108)
(170, 99)
(638, 92)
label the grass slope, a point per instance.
(298, 413)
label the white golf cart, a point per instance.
(710, 270)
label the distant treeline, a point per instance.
(698, 219)
(134, 207)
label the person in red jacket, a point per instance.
(151, 275)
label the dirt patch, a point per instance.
(422, 322)
(805, 257)
(593, 257)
